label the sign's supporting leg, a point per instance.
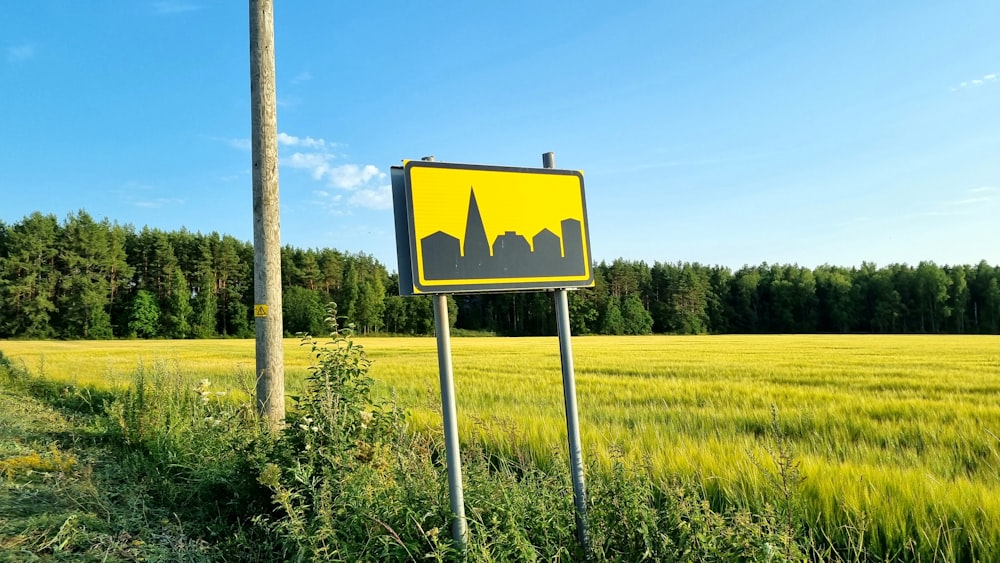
(459, 526)
(569, 397)
(572, 420)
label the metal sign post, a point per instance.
(459, 525)
(569, 398)
(465, 228)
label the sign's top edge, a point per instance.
(409, 164)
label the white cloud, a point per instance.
(975, 82)
(980, 195)
(375, 198)
(924, 214)
(144, 196)
(344, 177)
(170, 7)
(971, 200)
(315, 155)
(18, 53)
(317, 163)
(331, 202)
(302, 77)
(352, 176)
(307, 142)
(242, 144)
(289, 101)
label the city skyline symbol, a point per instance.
(510, 255)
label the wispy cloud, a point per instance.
(301, 77)
(289, 101)
(331, 202)
(158, 202)
(317, 156)
(976, 82)
(317, 163)
(22, 52)
(348, 177)
(375, 198)
(143, 195)
(239, 143)
(352, 176)
(170, 7)
(976, 196)
(242, 143)
(926, 214)
(316, 160)
(970, 202)
(307, 142)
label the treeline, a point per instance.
(80, 278)
(690, 298)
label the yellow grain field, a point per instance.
(896, 436)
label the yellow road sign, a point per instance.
(473, 228)
(260, 311)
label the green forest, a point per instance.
(83, 278)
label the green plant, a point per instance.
(784, 480)
(192, 454)
(335, 456)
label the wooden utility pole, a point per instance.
(270, 369)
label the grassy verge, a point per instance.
(47, 503)
(66, 495)
(73, 488)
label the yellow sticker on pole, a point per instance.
(260, 311)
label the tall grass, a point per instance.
(349, 482)
(894, 436)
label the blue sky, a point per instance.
(726, 133)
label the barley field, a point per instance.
(893, 439)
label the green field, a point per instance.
(896, 436)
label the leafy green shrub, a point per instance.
(333, 474)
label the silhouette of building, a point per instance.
(441, 256)
(572, 239)
(547, 250)
(511, 251)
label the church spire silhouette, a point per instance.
(475, 243)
